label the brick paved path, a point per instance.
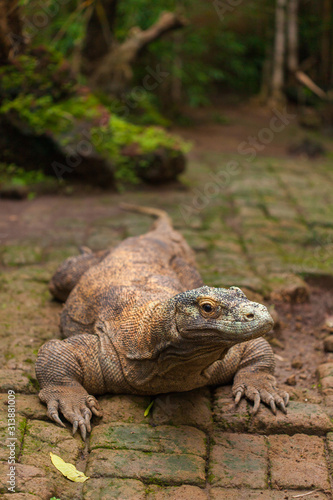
(262, 229)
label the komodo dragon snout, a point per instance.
(225, 315)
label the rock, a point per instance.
(238, 460)
(276, 318)
(298, 462)
(162, 165)
(28, 479)
(110, 488)
(306, 418)
(16, 380)
(184, 408)
(297, 363)
(307, 147)
(13, 192)
(328, 343)
(293, 290)
(44, 152)
(291, 380)
(184, 492)
(162, 467)
(309, 117)
(276, 343)
(328, 324)
(144, 437)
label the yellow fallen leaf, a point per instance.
(147, 410)
(68, 470)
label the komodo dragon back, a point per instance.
(138, 319)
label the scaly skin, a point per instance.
(140, 321)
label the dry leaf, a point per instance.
(68, 470)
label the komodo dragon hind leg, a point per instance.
(70, 271)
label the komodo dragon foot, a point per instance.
(76, 405)
(258, 387)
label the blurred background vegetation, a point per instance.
(88, 89)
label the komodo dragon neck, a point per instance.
(152, 347)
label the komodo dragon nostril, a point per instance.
(249, 316)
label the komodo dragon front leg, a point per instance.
(251, 366)
(69, 371)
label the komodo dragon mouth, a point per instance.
(129, 308)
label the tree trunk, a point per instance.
(99, 35)
(293, 36)
(278, 76)
(11, 40)
(107, 63)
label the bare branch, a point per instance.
(114, 71)
(139, 39)
(310, 84)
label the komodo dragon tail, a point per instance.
(163, 220)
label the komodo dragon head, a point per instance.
(219, 314)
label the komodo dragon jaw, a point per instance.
(219, 314)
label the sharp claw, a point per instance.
(83, 431)
(56, 418)
(95, 411)
(282, 407)
(286, 399)
(75, 426)
(87, 422)
(272, 405)
(238, 396)
(256, 403)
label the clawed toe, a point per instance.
(53, 412)
(92, 403)
(273, 406)
(238, 395)
(282, 407)
(83, 430)
(75, 426)
(264, 394)
(256, 403)
(79, 412)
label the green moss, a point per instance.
(32, 92)
(210, 478)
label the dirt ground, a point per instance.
(264, 224)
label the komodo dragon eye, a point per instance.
(207, 307)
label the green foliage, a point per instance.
(39, 73)
(59, 24)
(126, 145)
(142, 112)
(17, 176)
(223, 47)
(205, 55)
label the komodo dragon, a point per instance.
(140, 321)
